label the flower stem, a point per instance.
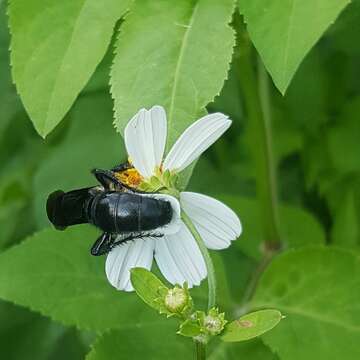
(200, 350)
(200, 347)
(255, 89)
(207, 258)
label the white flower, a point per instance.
(176, 253)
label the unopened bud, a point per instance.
(178, 300)
(214, 322)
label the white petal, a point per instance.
(137, 253)
(145, 138)
(175, 223)
(217, 224)
(179, 258)
(195, 140)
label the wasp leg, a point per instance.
(103, 244)
(107, 179)
(134, 237)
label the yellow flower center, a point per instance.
(130, 177)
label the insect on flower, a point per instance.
(177, 253)
(165, 238)
(122, 214)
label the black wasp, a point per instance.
(113, 207)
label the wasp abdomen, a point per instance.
(116, 212)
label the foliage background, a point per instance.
(56, 300)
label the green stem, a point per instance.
(200, 347)
(200, 350)
(255, 89)
(207, 258)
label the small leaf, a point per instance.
(147, 286)
(189, 328)
(283, 31)
(251, 325)
(55, 47)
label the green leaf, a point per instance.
(251, 325)
(147, 286)
(26, 335)
(55, 48)
(189, 328)
(158, 341)
(165, 54)
(290, 218)
(53, 273)
(283, 31)
(317, 289)
(10, 104)
(91, 143)
(253, 349)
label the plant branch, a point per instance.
(255, 89)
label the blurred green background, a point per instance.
(316, 135)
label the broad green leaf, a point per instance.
(53, 273)
(153, 342)
(317, 289)
(291, 219)
(251, 325)
(283, 31)
(9, 103)
(251, 350)
(55, 48)
(91, 143)
(172, 53)
(147, 286)
(160, 342)
(25, 335)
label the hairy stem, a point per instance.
(254, 85)
(207, 258)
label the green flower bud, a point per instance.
(214, 322)
(177, 300)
